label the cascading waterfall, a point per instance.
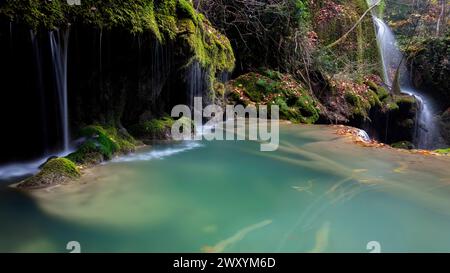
(59, 42)
(426, 130)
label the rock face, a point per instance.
(55, 171)
(128, 61)
(430, 65)
(445, 125)
(430, 68)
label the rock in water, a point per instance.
(55, 171)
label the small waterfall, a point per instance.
(426, 130)
(11, 34)
(196, 86)
(195, 82)
(161, 60)
(224, 77)
(100, 38)
(363, 135)
(40, 86)
(59, 42)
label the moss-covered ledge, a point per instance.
(55, 171)
(166, 20)
(100, 143)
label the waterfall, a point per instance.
(196, 85)
(11, 34)
(224, 77)
(195, 82)
(363, 135)
(59, 41)
(40, 86)
(161, 60)
(426, 130)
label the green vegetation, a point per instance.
(55, 171)
(406, 145)
(273, 88)
(158, 129)
(166, 20)
(443, 151)
(102, 143)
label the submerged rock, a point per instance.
(55, 171)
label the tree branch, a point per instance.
(343, 37)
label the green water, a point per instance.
(317, 193)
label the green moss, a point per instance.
(209, 47)
(186, 10)
(392, 106)
(274, 88)
(403, 145)
(158, 129)
(163, 19)
(361, 105)
(102, 144)
(443, 151)
(373, 98)
(352, 98)
(381, 91)
(405, 100)
(55, 171)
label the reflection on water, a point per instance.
(317, 193)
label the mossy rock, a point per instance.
(361, 104)
(102, 143)
(55, 171)
(274, 88)
(407, 123)
(406, 145)
(405, 100)
(381, 91)
(159, 129)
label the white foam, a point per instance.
(18, 169)
(159, 153)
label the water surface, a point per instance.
(318, 193)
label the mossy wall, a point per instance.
(127, 60)
(165, 19)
